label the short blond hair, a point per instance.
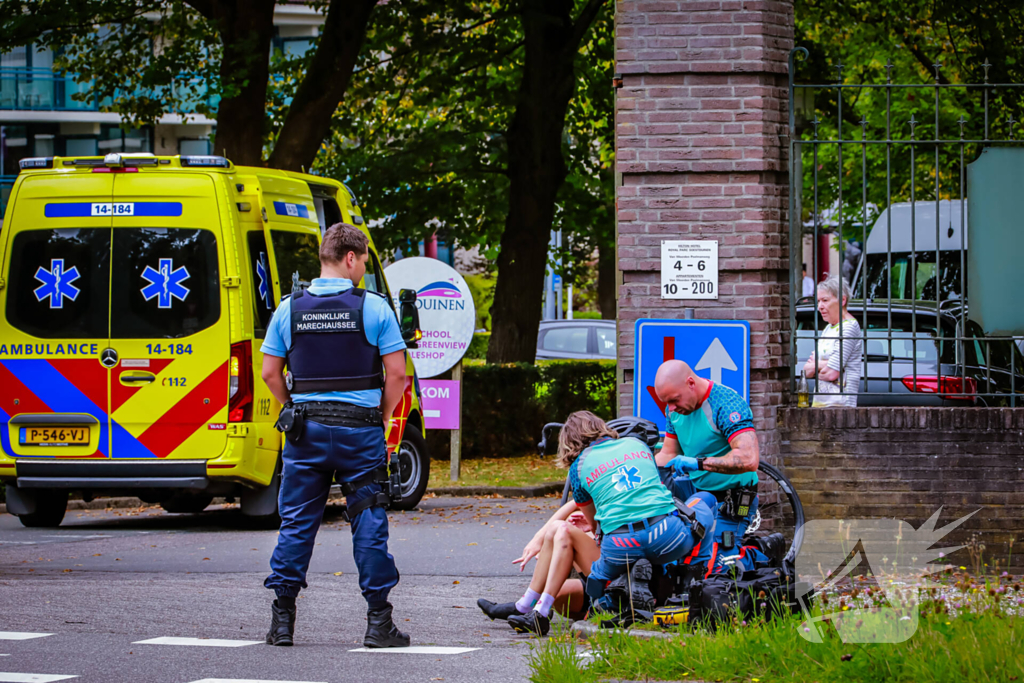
(578, 432)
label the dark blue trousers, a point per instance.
(308, 470)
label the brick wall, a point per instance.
(700, 124)
(906, 462)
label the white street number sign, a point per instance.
(689, 269)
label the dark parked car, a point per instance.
(949, 373)
(587, 339)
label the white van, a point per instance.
(909, 232)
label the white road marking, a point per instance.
(20, 635)
(8, 677)
(247, 680)
(418, 650)
(199, 642)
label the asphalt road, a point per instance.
(106, 580)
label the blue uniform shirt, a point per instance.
(379, 324)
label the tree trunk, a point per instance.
(246, 29)
(536, 171)
(606, 291)
(308, 120)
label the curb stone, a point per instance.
(585, 629)
(537, 491)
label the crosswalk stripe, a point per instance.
(247, 680)
(418, 650)
(197, 642)
(21, 635)
(10, 677)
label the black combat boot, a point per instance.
(496, 611)
(381, 631)
(282, 623)
(531, 622)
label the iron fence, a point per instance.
(908, 307)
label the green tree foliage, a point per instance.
(426, 131)
(937, 44)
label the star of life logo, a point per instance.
(894, 554)
(165, 283)
(264, 285)
(626, 478)
(57, 283)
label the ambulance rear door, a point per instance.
(169, 318)
(54, 333)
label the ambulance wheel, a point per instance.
(415, 463)
(187, 502)
(50, 509)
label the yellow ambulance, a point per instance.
(136, 290)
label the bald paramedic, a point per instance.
(710, 445)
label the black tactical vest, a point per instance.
(329, 350)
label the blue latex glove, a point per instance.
(683, 464)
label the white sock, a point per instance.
(544, 604)
(525, 603)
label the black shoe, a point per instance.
(496, 611)
(381, 631)
(282, 625)
(531, 622)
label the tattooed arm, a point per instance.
(744, 456)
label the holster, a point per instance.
(291, 421)
(391, 489)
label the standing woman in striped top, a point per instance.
(838, 372)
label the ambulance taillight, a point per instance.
(241, 396)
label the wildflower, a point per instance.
(806, 630)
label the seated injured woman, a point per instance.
(615, 482)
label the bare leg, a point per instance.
(569, 545)
(541, 569)
(569, 601)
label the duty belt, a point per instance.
(634, 527)
(338, 414)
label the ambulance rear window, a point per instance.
(298, 258)
(166, 282)
(58, 282)
(262, 286)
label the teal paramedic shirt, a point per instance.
(707, 431)
(379, 324)
(620, 477)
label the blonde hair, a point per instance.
(578, 432)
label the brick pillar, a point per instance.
(701, 154)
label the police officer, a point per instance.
(711, 444)
(342, 346)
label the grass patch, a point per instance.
(973, 632)
(525, 471)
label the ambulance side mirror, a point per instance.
(409, 318)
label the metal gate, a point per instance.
(880, 169)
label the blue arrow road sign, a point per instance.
(718, 350)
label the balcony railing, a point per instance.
(45, 90)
